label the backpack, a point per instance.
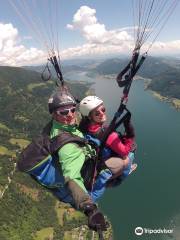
(40, 160)
(39, 150)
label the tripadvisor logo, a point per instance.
(139, 231)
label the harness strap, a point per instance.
(111, 126)
(99, 230)
(54, 62)
(64, 138)
(46, 73)
(128, 72)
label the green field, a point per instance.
(4, 127)
(22, 143)
(5, 151)
(43, 234)
(31, 86)
(60, 212)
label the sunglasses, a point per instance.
(102, 110)
(65, 112)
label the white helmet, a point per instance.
(88, 104)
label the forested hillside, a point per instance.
(167, 84)
(150, 68)
(165, 74)
(28, 211)
(65, 69)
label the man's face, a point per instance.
(66, 115)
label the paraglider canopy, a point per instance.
(42, 18)
(150, 17)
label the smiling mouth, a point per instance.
(69, 119)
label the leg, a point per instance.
(117, 165)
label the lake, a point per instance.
(150, 197)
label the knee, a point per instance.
(126, 162)
(115, 164)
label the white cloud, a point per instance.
(83, 17)
(94, 49)
(89, 49)
(8, 35)
(169, 47)
(163, 48)
(14, 53)
(86, 22)
(99, 40)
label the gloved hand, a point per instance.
(96, 220)
(134, 147)
(92, 140)
(128, 126)
(127, 119)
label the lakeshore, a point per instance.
(173, 101)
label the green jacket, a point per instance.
(71, 156)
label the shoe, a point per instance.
(133, 168)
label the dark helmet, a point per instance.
(60, 98)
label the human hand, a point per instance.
(96, 220)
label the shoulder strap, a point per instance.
(41, 147)
(47, 129)
(64, 138)
(101, 131)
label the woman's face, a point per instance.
(98, 115)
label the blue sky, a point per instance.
(96, 33)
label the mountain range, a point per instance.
(164, 72)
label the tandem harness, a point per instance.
(124, 79)
(40, 160)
